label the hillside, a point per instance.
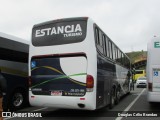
(137, 56)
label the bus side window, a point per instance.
(110, 50)
(118, 56)
(99, 40)
(128, 63)
(97, 36)
(123, 59)
(105, 46)
(113, 51)
(116, 53)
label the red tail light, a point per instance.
(90, 83)
(29, 81)
(82, 98)
(33, 97)
(149, 86)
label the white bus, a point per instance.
(75, 65)
(14, 69)
(153, 70)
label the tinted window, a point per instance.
(139, 72)
(142, 78)
(105, 45)
(57, 33)
(110, 49)
(119, 56)
(113, 49)
(12, 55)
(116, 53)
(122, 58)
(97, 36)
(100, 38)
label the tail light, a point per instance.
(149, 86)
(29, 81)
(90, 83)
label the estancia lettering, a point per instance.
(67, 31)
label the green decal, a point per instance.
(64, 76)
(156, 44)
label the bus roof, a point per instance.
(150, 44)
(13, 43)
(14, 38)
(61, 20)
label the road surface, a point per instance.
(135, 104)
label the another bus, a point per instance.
(153, 70)
(139, 73)
(75, 65)
(14, 69)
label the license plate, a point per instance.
(56, 93)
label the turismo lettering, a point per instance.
(67, 31)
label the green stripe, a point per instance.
(80, 74)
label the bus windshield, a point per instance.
(139, 72)
(59, 32)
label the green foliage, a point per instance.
(136, 56)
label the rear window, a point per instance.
(141, 78)
(139, 72)
(58, 33)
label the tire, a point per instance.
(117, 96)
(18, 100)
(112, 99)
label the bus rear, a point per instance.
(153, 70)
(58, 65)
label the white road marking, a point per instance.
(130, 105)
(39, 109)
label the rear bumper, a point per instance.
(153, 96)
(63, 102)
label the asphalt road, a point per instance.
(134, 105)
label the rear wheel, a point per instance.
(117, 96)
(18, 100)
(112, 98)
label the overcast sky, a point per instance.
(129, 23)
